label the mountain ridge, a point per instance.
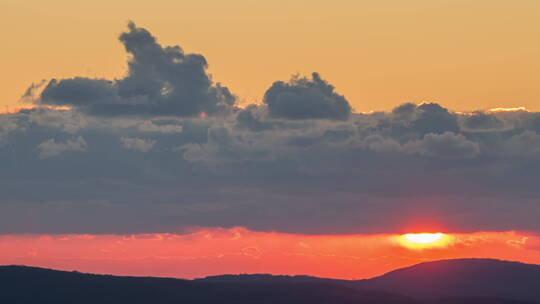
(454, 281)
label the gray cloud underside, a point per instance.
(134, 155)
(66, 172)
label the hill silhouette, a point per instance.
(442, 282)
(464, 278)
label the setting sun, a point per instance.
(424, 240)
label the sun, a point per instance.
(424, 240)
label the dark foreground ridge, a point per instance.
(462, 281)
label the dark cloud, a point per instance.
(251, 118)
(93, 174)
(300, 162)
(410, 121)
(480, 121)
(446, 145)
(303, 98)
(139, 144)
(524, 144)
(52, 148)
(160, 81)
(433, 118)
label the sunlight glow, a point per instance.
(515, 109)
(424, 240)
(207, 251)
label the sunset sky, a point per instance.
(185, 139)
(466, 55)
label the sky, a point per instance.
(289, 137)
(466, 55)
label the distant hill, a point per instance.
(442, 282)
(35, 285)
(270, 278)
(463, 278)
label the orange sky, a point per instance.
(464, 54)
(238, 250)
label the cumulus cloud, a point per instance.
(380, 144)
(480, 121)
(51, 147)
(160, 81)
(251, 169)
(410, 121)
(300, 162)
(149, 126)
(252, 118)
(68, 121)
(433, 118)
(524, 144)
(7, 125)
(139, 144)
(446, 145)
(304, 98)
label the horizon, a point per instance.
(270, 274)
(211, 252)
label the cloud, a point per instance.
(410, 121)
(68, 121)
(379, 144)
(303, 98)
(139, 144)
(160, 81)
(446, 145)
(251, 169)
(480, 121)
(149, 126)
(52, 148)
(251, 118)
(7, 125)
(433, 118)
(302, 161)
(524, 144)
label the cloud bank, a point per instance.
(136, 155)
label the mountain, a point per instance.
(471, 281)
(253, 278)
(21, 285)
(451, 280)
(464, 278)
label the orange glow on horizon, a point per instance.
(213, 251)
